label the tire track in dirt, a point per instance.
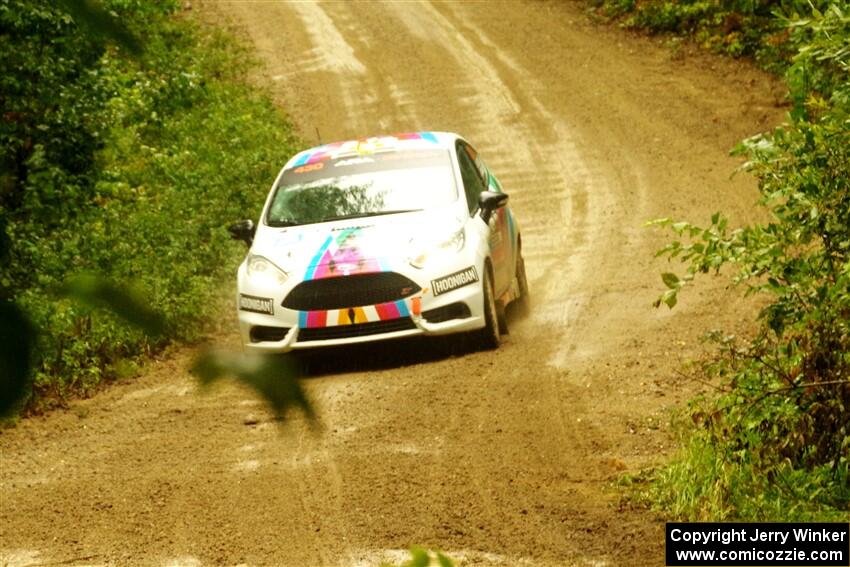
(500, 458)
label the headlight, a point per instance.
(263, 272)
(434, 249)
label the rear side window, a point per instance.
(473, 185)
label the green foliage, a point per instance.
(46, 144)
(751, 28)
(821, 67)
(712, 481)
(126, 164)
(775, 444)
(420, 557)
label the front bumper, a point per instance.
(292, 331)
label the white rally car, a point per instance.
(380, 238)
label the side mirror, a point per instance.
(243, 230)
(489, 201)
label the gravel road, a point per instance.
(499, 458)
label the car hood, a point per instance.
(347, 247)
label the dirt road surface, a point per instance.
(499, 458)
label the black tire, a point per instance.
(490, 336)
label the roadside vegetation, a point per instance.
(122, 161)
(757, 29)
(772, 442)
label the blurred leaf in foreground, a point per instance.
(275, 378)
(125, 302)
(420, 557)
(5, 243)
(17, 337)
(101, 22)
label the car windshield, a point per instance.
(365, 185)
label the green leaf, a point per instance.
(657, 222)
(17, 339)
(5, 243)
(669, 298)
(99, 21)
(274, 378)
(671, 280)
(444, 561)
(127, 303)
(418, 558)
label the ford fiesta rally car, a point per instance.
(380, 238)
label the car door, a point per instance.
(476, 180)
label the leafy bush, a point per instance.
(775, 444)
(127, 167)
(750, 28)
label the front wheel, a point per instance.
(490, 336)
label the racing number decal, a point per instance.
(309, 167)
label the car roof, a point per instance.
(390, 142)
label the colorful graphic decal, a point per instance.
(428, 136)
(494, 184)
(367, 314)
(340, 255)
(362, 147)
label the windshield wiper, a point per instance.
(367, 214)
(283, 223)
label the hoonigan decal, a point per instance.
(362, 147)
(367, 314)
(453, 281)
(256, 304)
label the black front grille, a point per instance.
(448, 312)
(261, 334)
(349, 291)
(355, 330)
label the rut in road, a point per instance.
(498, 458)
